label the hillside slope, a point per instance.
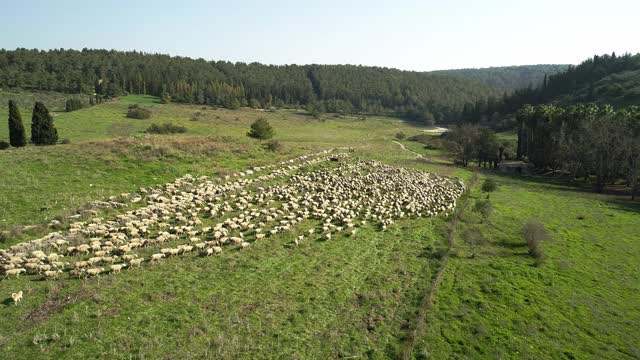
(606, 79)
(508, 78)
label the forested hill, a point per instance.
(334, 88)
(508, 78)
(606, 79)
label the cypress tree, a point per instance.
(42, 130)
(16, 128)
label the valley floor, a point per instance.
(349, 298)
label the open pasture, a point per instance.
(219, 290)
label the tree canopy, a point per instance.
(336, 88)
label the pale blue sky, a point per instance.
(406, 34)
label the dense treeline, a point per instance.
(508, 78)
(606, 79)
(339, 88)
(583, 141)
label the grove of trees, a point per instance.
(583, 141)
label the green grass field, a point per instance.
(349, 298)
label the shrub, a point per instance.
(166, 128)
(535, 234)
(260, 129)
(474, 238)
(4, 145)
(401, 136)
(489, 186)
(136, 112)
(65, 141)
(421, 138)
(484, 207)
(73, 104)
(274, 146)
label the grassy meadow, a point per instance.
(347, 298)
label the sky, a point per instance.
(406, 34)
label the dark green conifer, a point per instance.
(16, 128)
(42, 130)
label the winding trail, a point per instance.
(418, 155)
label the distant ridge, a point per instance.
(508, 78)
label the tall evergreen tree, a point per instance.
(16, 128)
(42, 130)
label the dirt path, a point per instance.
(427, 300)
(405, 149)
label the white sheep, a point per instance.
(95, 271)
(136, 262)
(157, 257)
(52, 274)
(116, 268)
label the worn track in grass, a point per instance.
(427, 300)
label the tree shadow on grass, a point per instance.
(615, 194)
(7, 302)
(625, 205)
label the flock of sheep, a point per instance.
(205, 214)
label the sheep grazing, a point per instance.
(77, 272)
(157, 257)
(136, 262)
(17, 297)
(341, 198)
(95, 271)
(109, 259)
(81, 264)
(116, 268)
(52, 274)
(129, 257)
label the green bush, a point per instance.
(421, 138)
(535, 233)
(401, 136)
(274, 146)
(166, 128)
(137, 112)
(474, 238)
(260, 129)
(489, 186)
(73, 104)
(484, 207)
(4, 145)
